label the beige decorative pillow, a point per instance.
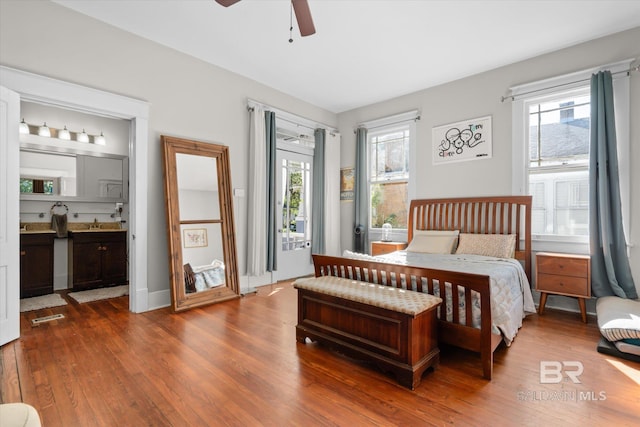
(496, 245)
(434, 241)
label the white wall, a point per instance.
(188, 98)
(478, 96)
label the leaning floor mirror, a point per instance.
(201, 233)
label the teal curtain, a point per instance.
(610, 270)
(272, 221)
(361, 196)
(317, 202)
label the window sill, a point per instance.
(559, 245)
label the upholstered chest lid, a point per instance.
(387, 297)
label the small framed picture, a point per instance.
(347, 179)
(194, 238)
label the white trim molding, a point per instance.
(45, 90)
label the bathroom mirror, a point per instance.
(74, 177)
(201, 233)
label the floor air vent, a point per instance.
(39, 320)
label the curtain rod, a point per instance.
(415, 119)
(513, 97)
(295, 123)
(250, 107)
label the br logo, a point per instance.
(552, 372)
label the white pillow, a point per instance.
(495, 245)
(434, 241)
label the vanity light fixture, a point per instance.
(44, 130)
(64, 134)
(82, 137)
(99, 139)
(24, 127)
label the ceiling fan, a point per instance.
(300, 7)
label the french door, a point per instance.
(293, 213)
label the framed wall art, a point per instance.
(194, 238)
(346, 184)
(462, 141)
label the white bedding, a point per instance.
(209, 276)
(511, 298)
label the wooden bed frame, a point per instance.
(478, 215)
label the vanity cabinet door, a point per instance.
(97, 259)
(85, 272)
(114, 259)
(36, 264)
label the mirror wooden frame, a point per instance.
(180, 299)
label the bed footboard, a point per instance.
(455, 326)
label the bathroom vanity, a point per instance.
(97, 258)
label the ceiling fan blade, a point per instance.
(227, 3)
(303, 16)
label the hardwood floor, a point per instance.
(238, 363)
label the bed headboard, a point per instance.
(478, 215)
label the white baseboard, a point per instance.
(158, 299)
(161, 299)
(61, 282)
(249, 284)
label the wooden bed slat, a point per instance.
(486, 215)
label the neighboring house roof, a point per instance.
(562, 140)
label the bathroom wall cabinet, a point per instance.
(97, 259)
(36, 264)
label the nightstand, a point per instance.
(381, 248)
(563, 274)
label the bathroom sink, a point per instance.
(23, 231)
(35, 228)
(99, 230)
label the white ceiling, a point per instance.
(364, 51)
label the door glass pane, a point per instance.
(295, 198)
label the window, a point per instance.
(389, 176)
(558, 147)
(38, 185)
(551, 132)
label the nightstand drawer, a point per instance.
(566, 266)
(566, 285)
(381, 248)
